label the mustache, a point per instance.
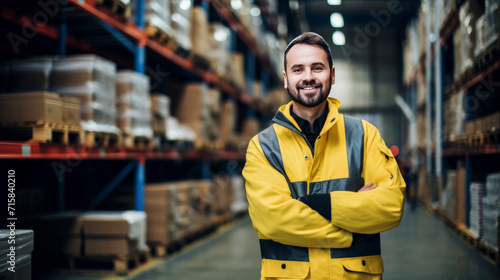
(313, 83)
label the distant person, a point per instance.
(321, 186)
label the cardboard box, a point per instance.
(122, 246)
(31, 107)
(71, 110)
(200, 31)
(114, 225)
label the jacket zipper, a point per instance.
(294, 129)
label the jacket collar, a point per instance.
(284, 118)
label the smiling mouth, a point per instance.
(309, 89)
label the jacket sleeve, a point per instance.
(279, 217)
(379, 209)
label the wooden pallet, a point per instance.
(489, 253)
(162, 250)
(42, 132)
(105, 265)
(94, 139)
(464, 234)
(116, 7)
(138, 142)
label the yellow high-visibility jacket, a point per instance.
(297, 242)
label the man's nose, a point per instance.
(308, 75)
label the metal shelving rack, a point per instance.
(132, 38)
(439, 157)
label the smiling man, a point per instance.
(321, 186)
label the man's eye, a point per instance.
(297, 70)
(318, 68)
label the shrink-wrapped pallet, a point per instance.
(157, 16)
(491, 210)
(133, 103)
(92, 79)
(181, 22)
(477, 192)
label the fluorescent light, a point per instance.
(336, 20)
(185, 5)
(255, 11)
(236, 4)
(338, 38)
(334, 2)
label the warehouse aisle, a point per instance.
(422, 247)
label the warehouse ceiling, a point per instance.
(390, 15)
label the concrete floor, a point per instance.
(421, 247)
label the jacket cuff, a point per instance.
(321, 203)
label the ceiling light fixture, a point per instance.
(334, 2)
(337, 20)
(338, 38)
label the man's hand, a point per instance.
(367, 187)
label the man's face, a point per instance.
(308, 78)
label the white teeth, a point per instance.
(308, 88)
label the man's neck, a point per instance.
(309, 114)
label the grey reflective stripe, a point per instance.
(344, 184)
(281, 119)
(355, 139)
(271, 148)
(276, 251)
(300, 188)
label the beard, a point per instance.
(309, 101)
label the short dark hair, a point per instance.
(311, 38)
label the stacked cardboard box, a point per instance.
(40, 106)
(160, 111)
(198, 107)
(118, 233)
(181, 22)
(200, 32)
(16, 264)
(91, 79)
(468, 14)
(177, 210)
(223, 194)
(454, 117)
(237, 71)
(227, 124)
(133, 103)
(491, 211)
(477, 192)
